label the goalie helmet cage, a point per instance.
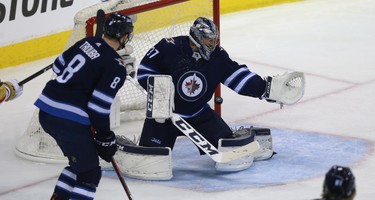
(153, 20)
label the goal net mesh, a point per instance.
(153, 20)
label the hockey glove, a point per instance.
(3, 92)
(286, 89)
(266, 94)
(106, 144)
(10, 90)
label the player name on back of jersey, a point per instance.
(89, 50)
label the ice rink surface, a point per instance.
(331, 41)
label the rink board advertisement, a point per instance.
(22, 20)
(37, 28)
(41, 28)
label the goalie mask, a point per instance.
(339, 182)
(205, 35)
(117, 26)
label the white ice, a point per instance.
(332, 41)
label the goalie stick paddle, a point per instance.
(122, 180)
(100, 20)
(208, 148)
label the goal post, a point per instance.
(153, 21)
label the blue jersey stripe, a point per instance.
(62, 110)
(239, 87)
(102, 97)
(234, 75)
(98, 109)
(147, 68)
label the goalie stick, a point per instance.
(208, 148)
(202, 142)
(100, 20)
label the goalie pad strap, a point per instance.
(267, 92)
(236, 142)
(260, 131)
(163, 151)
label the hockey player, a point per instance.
(339, 184)
(197, 65)
(78, 101)
(10, 90)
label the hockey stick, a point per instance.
(121, 178)
(100, 20)
(21, 83)
(199, 140)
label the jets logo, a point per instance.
(191, 86)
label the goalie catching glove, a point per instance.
(286, 89)
(10, 90)
(105, 144)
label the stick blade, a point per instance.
(100, 20)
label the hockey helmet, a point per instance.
(205, 35)
(117, 25)
(339, 182)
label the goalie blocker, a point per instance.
(160, 97)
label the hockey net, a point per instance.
(154, 20)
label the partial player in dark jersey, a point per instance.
(197, 66)
(339, 184)
(78, 101)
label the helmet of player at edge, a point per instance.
(117, 25)
(205, 35)
(339, 183)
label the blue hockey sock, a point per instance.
(65, 184)
(83, 192)
(86, 184)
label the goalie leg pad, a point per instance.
(233, 143)
(264, 138)
(146, 163)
